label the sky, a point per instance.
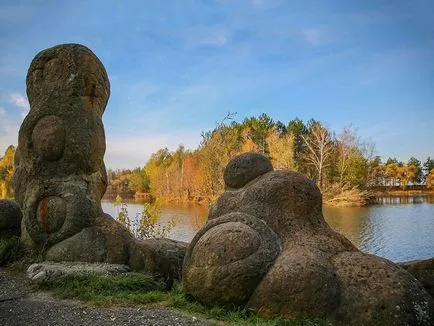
(177, 67)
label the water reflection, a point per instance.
(347, 221)
(397, 229)
(402, 200)
(396, 232)
(189, 218)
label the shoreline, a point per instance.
(375, 198)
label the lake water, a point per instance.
(399, 228)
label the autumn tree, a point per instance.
(391, 171)
(406, 174)
(157, 169)
(177, 172)
(281, 149)
(247, 143)
(217, 148)
(6, 172)
(427, 167)
(347, 149)
(430, 179)
(138, 180)
(418, 172)
(318, 150)
(193, 176)
(375, 176)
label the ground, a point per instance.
(20, 305)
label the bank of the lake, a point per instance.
(347, 198)
(397, 228)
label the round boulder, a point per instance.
(228, 258)
(244, 168)
(10, 218)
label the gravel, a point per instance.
(19, 305)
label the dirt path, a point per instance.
(19, 305)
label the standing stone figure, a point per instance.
(60, 175)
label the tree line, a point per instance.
(335, 160)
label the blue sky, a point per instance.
(178, 66)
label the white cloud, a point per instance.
(2, 112)
(20, 101)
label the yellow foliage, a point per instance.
(6, 172)
(281, 150)
(430, 180)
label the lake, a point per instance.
(398, 228)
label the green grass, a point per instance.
(137, 288)
(100, 290)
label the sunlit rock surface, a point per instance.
(267, 247)
(60, 175)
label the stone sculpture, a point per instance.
(268, 248)
(60, 175)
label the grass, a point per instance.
(99, 290)
(137, 288)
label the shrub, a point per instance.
(145, 225)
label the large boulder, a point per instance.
(267, 248)
(10, 218)
(60, 176)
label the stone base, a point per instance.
(109, 242)
(49, 271)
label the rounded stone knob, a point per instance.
(244, 168)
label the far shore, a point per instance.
(204, 201)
